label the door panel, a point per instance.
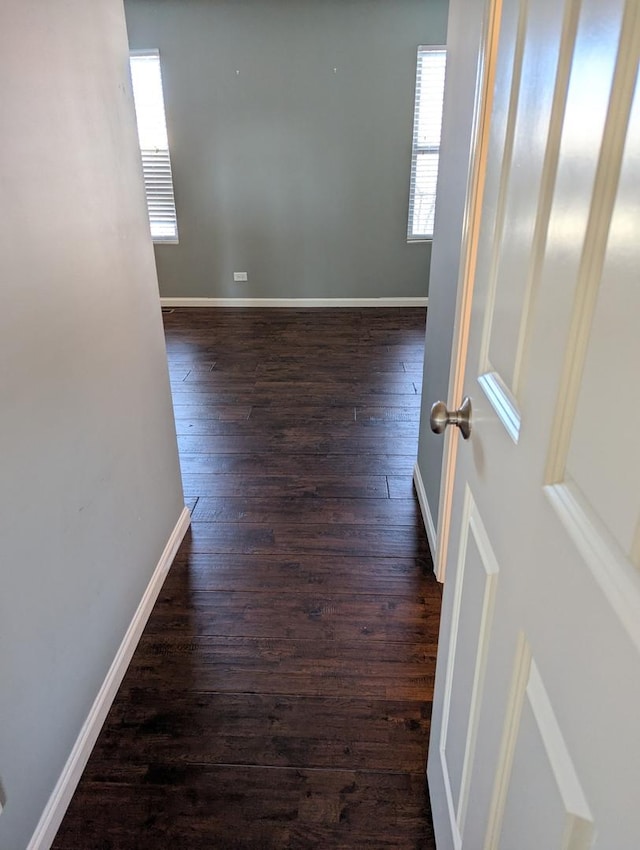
(476, 581)
(496, 194)
(591, 475)
(600, 468)
(540, 768)
(523, 180)
(534, 739)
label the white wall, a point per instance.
(89, 483)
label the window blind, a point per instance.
(427, 124)
(154, 145)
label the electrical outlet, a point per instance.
(240, 277)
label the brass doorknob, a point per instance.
(441, 417)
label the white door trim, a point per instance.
(468, 253)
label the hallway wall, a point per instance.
(90, 489)
(284, 168)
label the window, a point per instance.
(154, 146)
(427, 123)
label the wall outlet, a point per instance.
(240, 277)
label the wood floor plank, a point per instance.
(359, 434)
(401, 487)
(285, 413)
(194, 365)
(190, 502)
(361, 443)
(176, 375)
(376, 414)
(217, 382)
(300, 367)
(200, 807)
(329, 668)
(302, 574)
(374, 383)
(333, 616)
(264, 729)
(292, 539)
(292, 510)
(312, 465)
(207, 411)
(289, 486)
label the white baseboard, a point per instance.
(59, 801)
(294, 302)
(425, 510)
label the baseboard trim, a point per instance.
(58, 803)
(425, 510)
(294, 302)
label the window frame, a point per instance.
(169, 191)
(416, 148)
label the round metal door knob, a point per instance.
(441, 417)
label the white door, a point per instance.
(535, 741)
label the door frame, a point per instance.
(483, 102)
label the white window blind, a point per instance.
(427, 123)
(154, 146)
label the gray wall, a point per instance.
(289, 171)
(89, 489)
(465, 33)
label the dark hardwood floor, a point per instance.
(281, 693)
